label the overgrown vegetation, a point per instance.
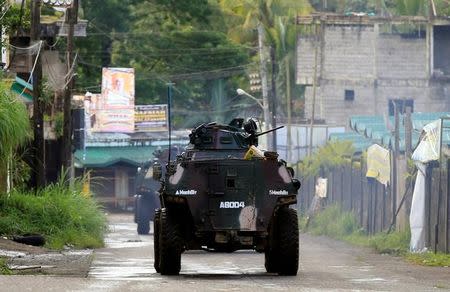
(331, 155)
(4, 269)
(64, 216)
(430, 259)
(335, 223)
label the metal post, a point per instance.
(169, 118)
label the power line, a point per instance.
(6, 11)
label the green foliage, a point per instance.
(14, 124)
(13, 20)
(343, 6)
(334, 223)
(430, 259)
(328, 157)
(392, 243)
(64, 216)
(411, 7)
(166, 40)
(4, 269)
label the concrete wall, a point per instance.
(378, 66)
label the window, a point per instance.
(349, 95)
(401, 104)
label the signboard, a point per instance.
(150, 118)
(113, 110)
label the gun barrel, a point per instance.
(268, 131)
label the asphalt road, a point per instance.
(126, 264)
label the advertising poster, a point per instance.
(150, 118)
(113, 110)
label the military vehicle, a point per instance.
(224, 194)
(146, 200)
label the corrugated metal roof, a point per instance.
(369, 130)
(99, 157)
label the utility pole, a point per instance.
(288, 110)
(264, 88)
(274, 98)
(38, 115)
(394, 162)
(71, 17)
(408, 133)
(316, 53)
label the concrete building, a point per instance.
(367, 65)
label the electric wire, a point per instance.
(34, 66)
(5, 11)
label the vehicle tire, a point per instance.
(143, 226)
(156, 228)
(170, 244)
(270, 256)
(288, 241)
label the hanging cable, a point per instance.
(6, 11)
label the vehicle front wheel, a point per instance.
(156, 230)
(170, 244)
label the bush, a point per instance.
(62, 215)
(4, 269)
(335, 223)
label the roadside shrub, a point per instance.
(335, 223)
(4, 269)
(63, 215)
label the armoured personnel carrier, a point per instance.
(224, 194)
(146, 200)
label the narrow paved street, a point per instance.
(126, 264)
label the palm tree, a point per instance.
(14, 131)
(270, 18)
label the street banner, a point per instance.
(114, 110)
(150, 118)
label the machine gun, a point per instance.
(250, 128)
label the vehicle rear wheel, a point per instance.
(156, 228)
(270, 257)
(170, 244)
(288, 241)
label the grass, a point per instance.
(4, 269)
(335, 223)
(65, 217)
(430, 259)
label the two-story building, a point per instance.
(368, 65)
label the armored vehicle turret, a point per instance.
(225, 194)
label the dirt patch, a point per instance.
(9, 245)
(27, 259)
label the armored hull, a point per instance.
(218, 197)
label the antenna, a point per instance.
(169, 119)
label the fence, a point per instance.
(437, 208)
(374, 204)
(371, 201)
